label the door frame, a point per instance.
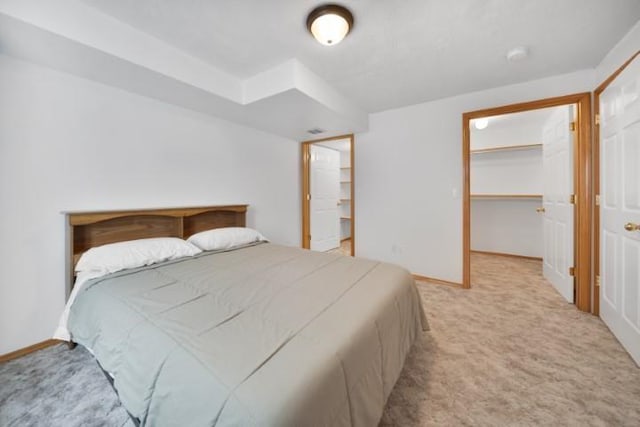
(583, 188)
(306, 190)
(596, 177)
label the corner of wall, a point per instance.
(619, 54)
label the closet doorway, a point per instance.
(328, 195)
(526, 171)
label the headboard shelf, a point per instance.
(86, 230)
(90, 217)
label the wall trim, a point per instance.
(27, 350)
(437, 281)
(533, 258)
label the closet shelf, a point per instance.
(506, 148)
(345, 217)
(345, 200)
(506, 196)
(345, 167)
(344, 182)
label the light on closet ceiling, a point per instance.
(329, 23)
(481, 123)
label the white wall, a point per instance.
(71, 144)
(623, 50)
(409, 176)
(507, 226)
(507, 172)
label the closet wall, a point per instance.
(506, 184)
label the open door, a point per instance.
(620, 207)
(557, 154)
(325, 198)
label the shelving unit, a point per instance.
(506, 148)
(345, 196)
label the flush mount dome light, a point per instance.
(517, 54)
(329, 23)
(481, 123)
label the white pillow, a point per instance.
(134, 253)
(225, 238)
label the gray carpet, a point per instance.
(509, 352)
(58, 387)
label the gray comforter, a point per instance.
(265, 335)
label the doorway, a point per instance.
(521, 193)
(560, 208)
(328, 202)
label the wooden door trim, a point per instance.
(596, 177)
(582, 186)
(306, 189)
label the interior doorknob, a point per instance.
(540, 210)
(630, 226)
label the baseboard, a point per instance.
(437, 281)
(24, 351)
(535, 258)
(346, 238)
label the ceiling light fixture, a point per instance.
(517, 54)
(481, 123)
(329, 23)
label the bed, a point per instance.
(261, 335)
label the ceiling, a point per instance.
(252, 62)
(400, 52)
(337, 144)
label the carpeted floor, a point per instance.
(344, 249)
(509, 351)
(58, 387)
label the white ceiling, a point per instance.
(67, 35)
(253, 62)
(400, 52)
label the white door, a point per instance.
(620, 208)
(325, 197)
(557, 158)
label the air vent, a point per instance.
(315, 131)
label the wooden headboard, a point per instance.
(86, 230)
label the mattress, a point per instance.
(265, 335)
